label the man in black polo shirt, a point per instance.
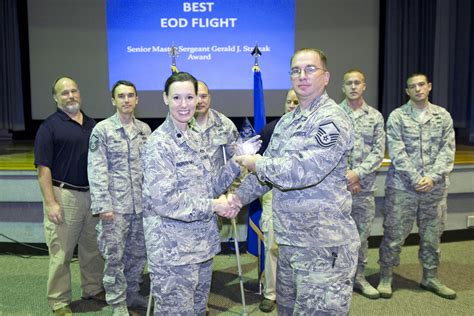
(61, 147)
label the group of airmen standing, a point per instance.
(421, 146)
(126, 195)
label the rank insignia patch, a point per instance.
(94, 143)
(327, 134)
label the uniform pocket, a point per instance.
(338, 296)
(325, 259)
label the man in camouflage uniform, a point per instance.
(366, 157)
(420, 139)
(180, 209)
(115, 177)
(306, 163)
(218, 133)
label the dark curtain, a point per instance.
(471, 85)
(432, 37)
(11, 92)
(408, 47)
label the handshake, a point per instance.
(227, 206)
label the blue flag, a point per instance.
(255, 209)
(258, 101)
(246, 130)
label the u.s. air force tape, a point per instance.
(327, 134)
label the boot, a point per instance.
(364, 287)
(63, 311)
(430, 282)
(120, 309)
(135, 300)
(267, 305)
(385, 284)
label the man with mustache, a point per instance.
(61, 146)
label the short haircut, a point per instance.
(204, 84)
(53, 88)
(415, 74)
(321, 54)
(180, 77)
(354, 70)
(123, 83)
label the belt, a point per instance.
(68, 186)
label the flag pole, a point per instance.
(173, 53)
(256, 53)
(237, 252)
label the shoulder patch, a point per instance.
(327, 134)
(93, 143)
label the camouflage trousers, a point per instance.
(363, 213)
(122, 245)
(401, 210)
(316, 281)
(181, 290)
(444, 213)
(271, 247)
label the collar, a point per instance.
(410, 110)
(87, 122)
(175, 133)
(345, 105)
(314, 105)
(66, 117)
(118, 124)
(213, 120)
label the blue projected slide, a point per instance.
(214, 41)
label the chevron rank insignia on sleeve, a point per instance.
(327, 134)
(93, 143)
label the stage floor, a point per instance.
(19, 155)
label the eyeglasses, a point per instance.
(309, 70)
